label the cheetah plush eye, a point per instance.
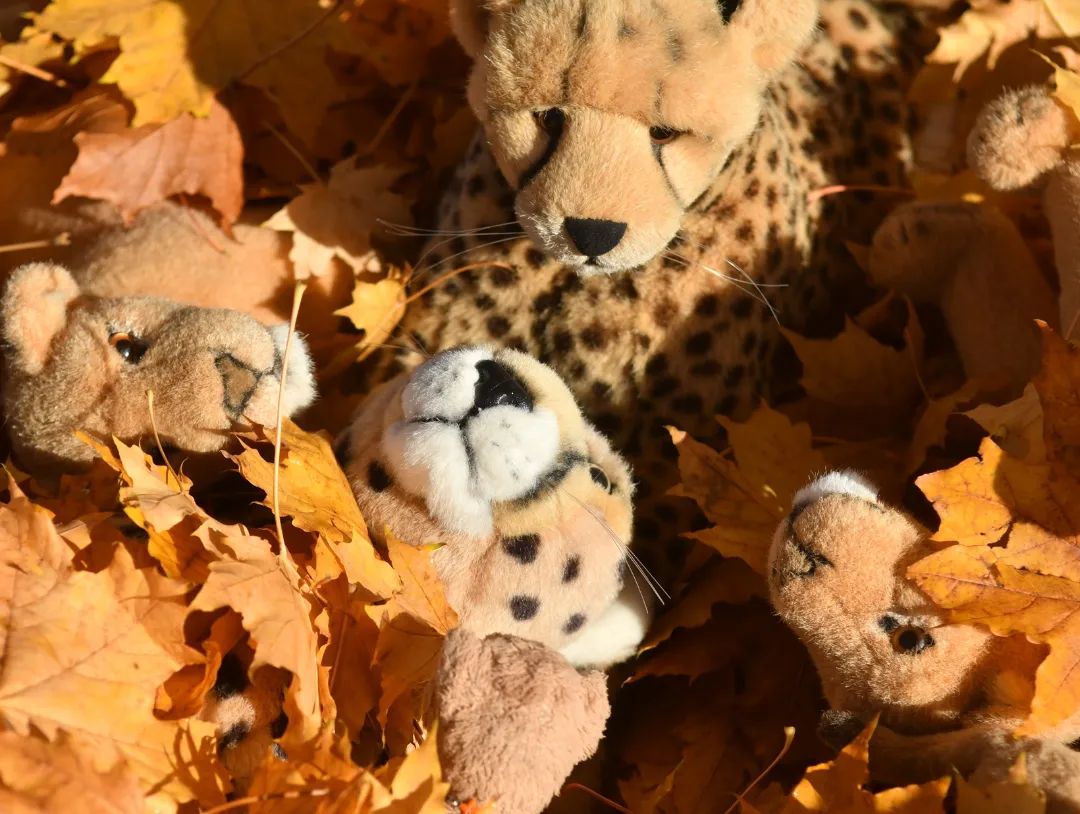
(663, 135)
(600, 477)
(130, 348)
(551, 121)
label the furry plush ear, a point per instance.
(34, 312)
(779, 29)
(470, 21)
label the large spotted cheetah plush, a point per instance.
(639, 198)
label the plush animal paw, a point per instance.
(486, 453)
(210, 370)
(514, 719)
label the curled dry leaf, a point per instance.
(747, 493)
(337, 219)
(137, 168)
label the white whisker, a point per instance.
(419, 272)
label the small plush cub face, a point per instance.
(609, 118)
(836, 576)
(487, 454)
(77, 362)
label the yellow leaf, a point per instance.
(415, 782)
(85, 652)
(747, 496)
(175, 56)
(336, 219)
(376, 309)
(317, 496)
(1012, 795)
(1016, 427)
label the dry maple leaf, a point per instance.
(276, 614)
(376, 309)
(317, 496)
(175, 57)
(1013, 795)
(85, 652)
(836, 787)
(138, 168)
(746, 497)
(336, 219)
(39, 777)
(989, 28)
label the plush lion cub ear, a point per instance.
(779, 30)
(471, 20)
(34, 311)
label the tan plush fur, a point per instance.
(669, 326)
(949, 695)
(544, 575)
(1024, 138)
(516, 718)
(972, 262)
(577, 518)
(76, 360)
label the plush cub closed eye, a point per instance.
(130, 347)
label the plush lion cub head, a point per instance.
(78, 362)
(609, 118)
(837, 577)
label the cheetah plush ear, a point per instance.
(34, 312)
(780, 30)
(471, 19)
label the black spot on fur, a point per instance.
(626, 31)
(524, 549)
(378, 478)
(497, 326)
(572, 569)
(699, 343)
(232, 736)
(503, 277)
(231, 678)
(524, 608)
(535, 258)
(574, 623)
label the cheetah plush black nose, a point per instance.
(498, 386)
(594, 237)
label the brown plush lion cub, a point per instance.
(949, 695)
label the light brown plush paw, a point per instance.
(1019, 137)
(515, 718)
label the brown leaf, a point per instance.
(1058, 385)
(85, 652)
(38, 777)
(137, 168)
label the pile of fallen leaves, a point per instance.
(121, 589)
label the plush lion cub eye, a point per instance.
(130, 348)
(551, 121)
(663, 135)
(907, 639)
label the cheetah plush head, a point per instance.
(73, 362)
(610, 118)
(836, 576)
(485, 453)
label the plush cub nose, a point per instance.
(594, 237)
(239, 382)
(497, 385)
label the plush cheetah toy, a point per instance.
(641, 187)
(949, 695)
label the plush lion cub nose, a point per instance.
(594, 237)
(239, 382)
(497, 386)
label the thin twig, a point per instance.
(472, 266)
(595, 795)
(299, 156)
(62, 239)
(157, 438)
(384, 128)
(286, 560)
(789, 736)
(283, 795)
(37, 73)
(835, 189)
